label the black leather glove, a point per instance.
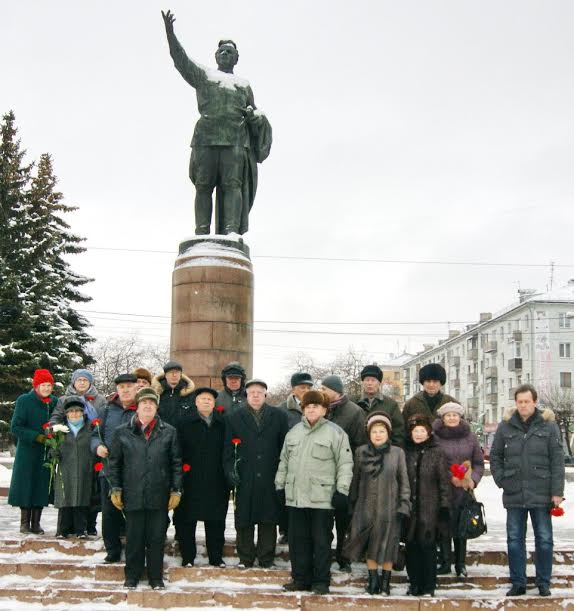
(281, 497)
(339, 501)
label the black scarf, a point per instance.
(432, 400)
(375, 459)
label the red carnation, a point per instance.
(185, 467)
(220, 409)
(96, 422)
(49, 436)
(236, 441)
(98, 467)
(458, 471)
(90, 398)
(557, 512)
(46, 425)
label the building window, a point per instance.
(563, 321)
(565, 379)
(564, 351)
(397, 375)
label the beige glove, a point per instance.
(174, 499)
(116, 499)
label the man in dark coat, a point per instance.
(432, 377)
(118, 411)
(174, 389)
(253, 442)
(146, 477)
(527, 462)
(374, 400)
(205, 490)
(351, 418)
(232, 396)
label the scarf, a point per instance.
(76, 427)
(257, 415)
(147, 430)
(374, 461)
(432, 401)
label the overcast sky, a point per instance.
(412, 130)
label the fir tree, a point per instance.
(42, 328)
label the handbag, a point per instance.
(472, 520)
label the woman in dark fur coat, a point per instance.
(430, 498)
(461, 447)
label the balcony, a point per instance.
(492, 398)
(491, 372)
(472, 403)
(517, 336)
(491, 346)
(472, 378)
(455, 383)
(511, 392)
(454, 361)
(472, 355)
(514, 364)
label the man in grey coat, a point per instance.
(527, 462)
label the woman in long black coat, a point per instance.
(205, 489)
(430, 498)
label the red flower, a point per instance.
(96, 422)
(90, 398)
(49, 436)
(185, 467)
(557, 512)
(458, 471)
(46, 425)
(220, 409)
(236, 441)
(98, 467)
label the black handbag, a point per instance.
(472, 521)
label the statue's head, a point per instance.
(226, 55)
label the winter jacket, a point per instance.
(205, 489)
(418, 405)
(30, 479)
(231, 401)
(375, 502)
(95, 404)
(527, 462)
(293, 409)
(459, 443)
(174, 403)
(351, 418)
(146, 470)
(73, 482)
(393, 411)
(429, 481)
(258, 458)
(315, 461)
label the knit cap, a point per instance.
(82, 373)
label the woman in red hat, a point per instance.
(29, 488)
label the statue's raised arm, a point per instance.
(190, 71)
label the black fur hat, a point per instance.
(432, 371)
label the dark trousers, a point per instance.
(310, 537)
(112, 522)
(516, 520)
(145, 540)
(421, 566)
(342, 521)
(284, 521)
(266, 540)
(92, 519)
(214, 536)
(72, 521)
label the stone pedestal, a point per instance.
(212, 307)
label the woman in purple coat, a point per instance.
(459, 444)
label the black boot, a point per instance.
(35, 527)
(25, 513)
(460, 557)
(443, 567)
(374, 582)
(386, 583)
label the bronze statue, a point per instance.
(230, 138)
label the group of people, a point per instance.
(393, 484)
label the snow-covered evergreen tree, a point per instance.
(39, 326)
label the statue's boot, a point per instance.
(232, 206)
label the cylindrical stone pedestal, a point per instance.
(212, 307)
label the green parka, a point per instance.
(315, 461)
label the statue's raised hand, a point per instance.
(168, 20)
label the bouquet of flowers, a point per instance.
(463, 473)
(55, 436)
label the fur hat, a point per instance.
(372, 371)
(334, 383)
(378, 418)
(41, 376)
(432, 371)
(142, 374)
(450, 408)
(315, 396)
(147, 393)
(419, 420)
(233, 369)
(301, 378)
